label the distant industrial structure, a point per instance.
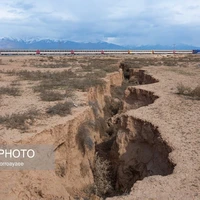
(195, 51)
(93, 52)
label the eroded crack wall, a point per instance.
(133, 147)
(135, 98)
(138, 152)
(136, 149)
(136, 76)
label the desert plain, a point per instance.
(122, 127)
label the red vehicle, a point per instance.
(72, 51)
(102, 51)
(38, 52)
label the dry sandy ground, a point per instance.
(28, 99)
(177, 118)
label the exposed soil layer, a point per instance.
(141, 153)
(136, 149)
(136, 76)
(141, 77)
(135, 98)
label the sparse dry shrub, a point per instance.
(42, 60)
(15, 83)
(187, 91)
(12, 91)
(51, 96)
(102, 179)
(86, 83)
(130, 63)
(10, 72)
(110, 69)
(48, 76)
(61, 109)
(56, 64)
(103, 65)
(19, 120)
(72, 59)
(50, 58)
(184, 90)
(102, 182)
(99, 74)
(32, 75)
(169, 62)
(88, 192)
(196, 92)
(139, 62)
(69, 93)
(189, 58)
(62, 80)
(49, 80)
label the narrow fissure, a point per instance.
(132, 148)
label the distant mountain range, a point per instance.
(10, 43)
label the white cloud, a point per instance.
(119, 21)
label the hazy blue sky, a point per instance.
(116, 21)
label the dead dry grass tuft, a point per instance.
(51, 96)
(61, 109)
(12, 91)
(103, 65)
(20, 120)
(187, 91)
(102, 182)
